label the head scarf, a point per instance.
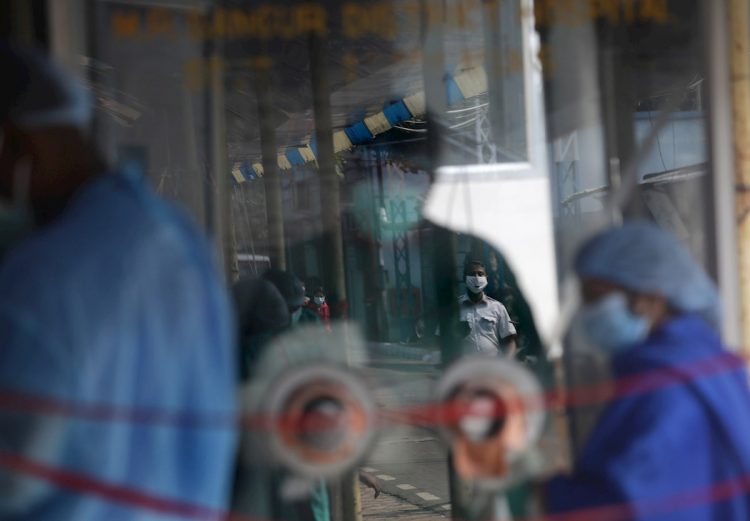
(643, 258)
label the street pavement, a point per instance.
(388, 507)
(410, 462)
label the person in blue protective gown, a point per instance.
(674, 442)
(117, 357)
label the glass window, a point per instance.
(414, 178)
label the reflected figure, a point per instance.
(109, 301)
(487, 324)
(293, 291)
(673, 443)
(261, 314)
(319, 305)
(291, 288)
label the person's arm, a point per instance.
(506, 332)
(509, 346)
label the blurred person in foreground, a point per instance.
(674, 442)
(109, 302)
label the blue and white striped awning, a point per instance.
(464, 85)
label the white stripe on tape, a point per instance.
(237, 174)
(416, 104)
(341, 141)
(472, 82)
(377, 124)
(284, 163)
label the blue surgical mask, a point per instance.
(319, 300)
(611, 325)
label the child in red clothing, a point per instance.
(320, 306)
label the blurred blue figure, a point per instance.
(116, 344)
(673, 444)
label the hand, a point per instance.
(370, 481)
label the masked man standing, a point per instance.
(488, 328)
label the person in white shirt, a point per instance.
(486, 322)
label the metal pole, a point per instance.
(720, 121)
(271, 181)
(443, 248)
(67, 31)
(495, 60)
(333, 243)
(222, 221)
(329, 182)
(739, 25)
(382, 298)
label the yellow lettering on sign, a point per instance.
(384, 21)
(126, 24)
(569, 12)
(542, 13)
(196, 26)
(240, 24)
(654, 11)
(283, 25)
(435, 13)
(219, 23)
(352, 19)
(607, 9)
(628, 11)
(412, 11)
(311, 18)
(265, 27)
(460, 16)
(159, 21)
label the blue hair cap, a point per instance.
(644, 258)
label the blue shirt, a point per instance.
(116, 345)
(675, 445)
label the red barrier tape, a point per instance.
(82, 484)
(429, 415)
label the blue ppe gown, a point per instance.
(675, 442)
(117, 365)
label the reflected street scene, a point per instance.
(374, 260)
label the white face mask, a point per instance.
(476, 284)
(319, 300)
